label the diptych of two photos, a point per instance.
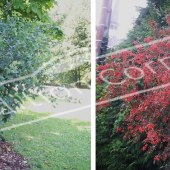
(84, 85)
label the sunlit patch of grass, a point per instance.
(51, 144)
(40, 99)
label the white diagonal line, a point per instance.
(84, 107)
(133, 94)
(44, 118)
(136, 46)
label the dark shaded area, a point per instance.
(10, 159)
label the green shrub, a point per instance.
(24, 47)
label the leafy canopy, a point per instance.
(31, 9)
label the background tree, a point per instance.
(76, 47)
(156, 10)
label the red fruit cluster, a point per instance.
(141, 78)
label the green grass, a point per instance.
(39, 99)
(51, 144)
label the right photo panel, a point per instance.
(133, 85)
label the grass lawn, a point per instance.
(51, 144)
(39, 99)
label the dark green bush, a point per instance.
(112, 151)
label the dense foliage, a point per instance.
(133, 117)
(155, 10)
(23, 49)
(75, 50)
(25, 45)
(31, 9)
(79, 58)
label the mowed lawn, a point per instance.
(51, 144)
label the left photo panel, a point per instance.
(45, 85)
